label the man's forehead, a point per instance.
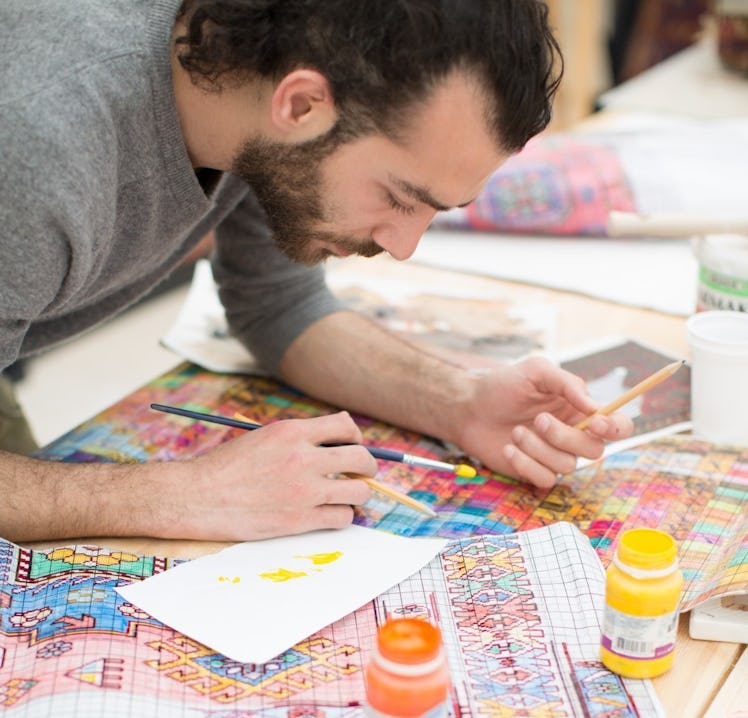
(450, 148)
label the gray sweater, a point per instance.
(98, 200)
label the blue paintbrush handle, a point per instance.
(200, 416)
(386, 454)
(376, 452)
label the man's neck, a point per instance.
(215, 124)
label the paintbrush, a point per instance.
(242, 422)
(634, 391)
(239, 421)
(467, 472)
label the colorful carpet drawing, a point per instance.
(559, 184)
(519, 615)
(696, 491)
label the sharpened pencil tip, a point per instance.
(467, 472)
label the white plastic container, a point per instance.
(723, 272)
(719, 375)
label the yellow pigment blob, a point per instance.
(283, 574)
(320, 558)
(467, 472)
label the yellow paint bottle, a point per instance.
(642, 593)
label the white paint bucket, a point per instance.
(719, 376)
(723, 272)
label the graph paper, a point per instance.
(519, 614)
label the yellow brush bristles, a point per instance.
(467, 472)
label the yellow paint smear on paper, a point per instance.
(320, 558)
(282, 574)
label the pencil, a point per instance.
(644, 385)
(394, 494)
(244, 423)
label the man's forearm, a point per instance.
(275, 481)
(43, 499)
(349, 361)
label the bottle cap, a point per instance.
(647, 549)
(408, 640)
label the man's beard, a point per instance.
(287, 182)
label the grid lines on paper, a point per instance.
(70, 646)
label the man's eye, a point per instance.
(399, 206)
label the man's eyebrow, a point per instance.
(422, 194)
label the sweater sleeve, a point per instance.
(269, 300)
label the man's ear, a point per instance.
(302, 105)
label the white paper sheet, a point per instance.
(255, 600)
(660, 274)
(200, 332)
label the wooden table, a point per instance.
(708, 679)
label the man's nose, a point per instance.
(400, 238)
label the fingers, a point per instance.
(346, 490)
(332, 428)
(543, 450)
(551, 447)
(289, 523)
(334, 517)
(550, 432)
(536, 460)
(612, 427)
(555, 381)
(321, 482)
(336, 512)
(327, 517)
(320, 446)
(527, 469)
(277, 481)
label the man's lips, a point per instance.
(338, 251)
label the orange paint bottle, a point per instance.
(407, 675)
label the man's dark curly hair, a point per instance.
(382, 56)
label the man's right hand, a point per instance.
(273, 481)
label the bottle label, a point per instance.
(438, 711)
(639, 637)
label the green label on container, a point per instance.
(723, 283)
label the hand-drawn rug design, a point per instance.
(558, 184)
(520, 616)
